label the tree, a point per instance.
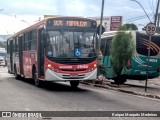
(129, 27)
(121, 51)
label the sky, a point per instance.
(19, 14)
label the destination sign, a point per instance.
(71, 23)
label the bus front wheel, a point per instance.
(74, 84)
(15, 74)
(9, 71)
(37, 82)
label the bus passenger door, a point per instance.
(40, 53)
(11, 56)
(21, 54)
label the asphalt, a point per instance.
(134, 87)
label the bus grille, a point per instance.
(72, 61)
(73, 77)
(73, 70)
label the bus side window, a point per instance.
(13, 45)
(108, 46)
(25, 42)
(103, 46)
(8, 46)
(33, 39)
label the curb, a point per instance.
(122, 90)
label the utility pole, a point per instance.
(155, 20)
(100, 30)
(158, 20)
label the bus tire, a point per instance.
(37, 82)
(17, 77)
(9, 71)
(120, 80)
(74, 84)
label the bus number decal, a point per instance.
(58, 23)
(65, 67)
(82, 66)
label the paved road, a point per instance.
(22, 95)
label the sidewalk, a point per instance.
(134, 87)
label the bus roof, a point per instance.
(41, 23)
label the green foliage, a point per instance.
(121, 51)
(128, 27)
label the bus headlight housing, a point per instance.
(49, 65)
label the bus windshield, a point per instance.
(67, 44)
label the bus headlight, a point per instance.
(49, 65)
(95, 65)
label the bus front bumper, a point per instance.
(54, 76)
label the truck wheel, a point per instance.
(74, 84)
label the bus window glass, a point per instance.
(17, 45)
(33, 40)
(103, 47)
(8, 46)
(13, 46)
(108, 46)
(65, 44)
(26, 42)
(142, 44)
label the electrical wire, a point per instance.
(137, 18)
(151, 7)
(15, 16)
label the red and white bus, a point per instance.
(55, 49)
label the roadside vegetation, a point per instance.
(121, 51)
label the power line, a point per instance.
(15, 16)
(137, 18)
(7, 14)
(142, 9)
(151, 7)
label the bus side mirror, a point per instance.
(98, 30)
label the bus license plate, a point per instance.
(73, 76)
